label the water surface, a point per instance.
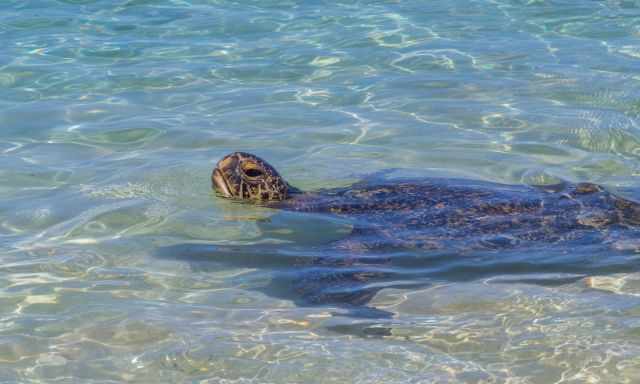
(114, 112)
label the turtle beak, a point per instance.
(220, 184)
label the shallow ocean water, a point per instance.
(113, 113)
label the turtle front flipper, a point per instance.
(302, 275)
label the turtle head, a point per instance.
(244, 176)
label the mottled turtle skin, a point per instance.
(438, 213)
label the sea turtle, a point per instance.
(435, 213)
(408, 233)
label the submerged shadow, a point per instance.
(324, 276)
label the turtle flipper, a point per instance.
(304, 277)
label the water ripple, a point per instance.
(113, 114)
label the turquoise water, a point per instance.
(112, 114)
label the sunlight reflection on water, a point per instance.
(113, 114)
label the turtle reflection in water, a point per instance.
(447, 217)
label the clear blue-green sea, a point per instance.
(118, 263)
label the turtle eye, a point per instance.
(253, 172)
(252, 169)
